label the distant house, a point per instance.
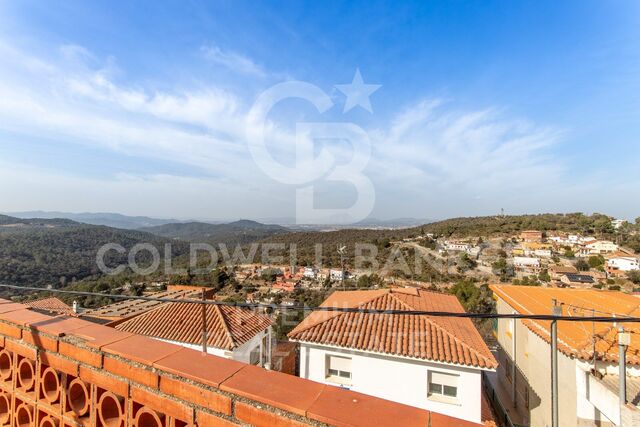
(435, 363)
(542, 250)
(456, 246)
(556, 272)
(598, 247)
(337, 275)
(577, 280)
(620, 266)
(531, 236)
(286, 285)
(618, 223)
(587, 358)
(310, 272)
(232, 332)
(526, 264)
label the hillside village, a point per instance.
(482, 371)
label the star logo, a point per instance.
(358, 93)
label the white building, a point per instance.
(456, 246)
(337, 275)
(587, 383)
(598, 247)
(622, 264)
(310, 272)
(618, 223)
(527, 264)
(232, 332)
(430, 363)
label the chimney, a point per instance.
(75, 307)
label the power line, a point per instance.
(547, 317)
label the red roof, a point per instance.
(51, 305)
(228, 327)
(442, 339)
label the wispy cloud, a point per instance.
(429, 153)
(233, 61)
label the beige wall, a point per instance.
(533, 372)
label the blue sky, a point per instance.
(141, 107)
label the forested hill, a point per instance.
(508, 225)
(50, 254)
(9, 223)
(490, 226)
(238, 232)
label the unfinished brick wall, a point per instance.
(63, 371)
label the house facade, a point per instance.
(622, 265)
(429, 363)
(587, 385)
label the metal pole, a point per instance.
(204, 324)
(557, 311)
(623, 342)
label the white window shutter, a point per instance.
(450, 380)
(340, 363)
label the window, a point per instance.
(254, 356)
(339, 369)
(443, 385)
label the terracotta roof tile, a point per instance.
(575, 338)
(128, 308)
(228, 327)
(450, 340)
(51, 305)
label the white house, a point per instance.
(310, 272)
(434, 363)
(527, 264)
(456, 246)
(587, 382)
(618, 223)
(232, 332)
(622, 264)
(599, 247)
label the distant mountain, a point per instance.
(9, 223)
(238, 232)
(36, 252)
(109, 219)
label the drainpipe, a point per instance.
(204, 323)
(557, 311)
(624, 338)
(513, 365)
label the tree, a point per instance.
(465, 263)
(596, 261)
(544, 276)
(582, 265)
(634, 276)
(370, 281)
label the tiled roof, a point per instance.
(227, 327)
(442, 339)
(50, 305)
(576, 338)
(128, 308)
(176, 385)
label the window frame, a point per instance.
(441, 392)
(338, 376)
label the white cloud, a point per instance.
(233, 61)
(430, 158)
